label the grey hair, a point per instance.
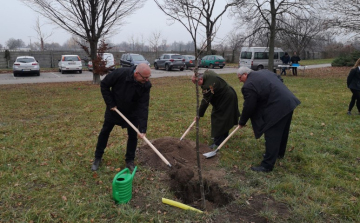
(243, 70)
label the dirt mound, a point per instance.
(183, 180)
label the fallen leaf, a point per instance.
(117, 169)
(64, 198)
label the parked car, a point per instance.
(70, 63)
(212, 61)
(26, 65)
(132, 59)
(90, 65)
(170, 61)
(109, 61)
(189, 61)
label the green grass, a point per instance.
(314, 62)
(48, 134)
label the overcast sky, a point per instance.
(18, 21)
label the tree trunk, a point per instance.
(272, 37)
(93, 53)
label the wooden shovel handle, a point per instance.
(144, 138)
(187, 130)
(227, 138)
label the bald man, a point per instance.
(128, 90)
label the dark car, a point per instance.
(189, 61)
(132, 59)
(212, 61)
(170, 61)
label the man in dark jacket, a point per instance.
(295, 62)
(225, 112)
(128, 90)
(353, 83)
(270, 105)
(286, 60)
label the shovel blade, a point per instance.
(210, 154)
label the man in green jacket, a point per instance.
(225, 112)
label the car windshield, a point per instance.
(220, 58)
(138, 57)
(71, 58)
(25, 60)
(176, 56)
(191, 57)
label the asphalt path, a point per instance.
(53, 77)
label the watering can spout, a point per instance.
(133, 173)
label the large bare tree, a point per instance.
(202, 11)
(260, 15)
(344, 14)
(297, 34)
(90, 20)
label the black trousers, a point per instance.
(294, 71)
(355, 97)
(219, 139)
(276, 140)
(104, 136)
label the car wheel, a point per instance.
(221, 67)
(59, 70)
(80, 71)
(156, 66)
(186, 67)
(38, 73)
(181, 69)
(167, 67)
(260, 67)
(15, 74)
(62, 71)
(211, 66)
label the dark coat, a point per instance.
(120, 89)
(285, 59)
(266, 101)
(353, 79)
(295, 59)
(225, 112)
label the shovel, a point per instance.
(213, 153)
(144, 138)
(187, 130)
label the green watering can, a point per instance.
(122, 186)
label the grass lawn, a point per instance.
(48, 134)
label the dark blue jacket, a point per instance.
(353, 80)
(266, 101)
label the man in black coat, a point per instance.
(270, 105)
(294, 62)
(128, 90)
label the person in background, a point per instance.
(353, 83)
(286, 60)
(223, 98)
(128, 90)
(295, 60)
(269, 104)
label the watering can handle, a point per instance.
(133, 173)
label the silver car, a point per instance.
(26, 65)
(70, 63)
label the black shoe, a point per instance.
(96, 164)
(349, 113)
(260, 169)
(130, 165)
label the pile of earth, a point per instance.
(183, 180)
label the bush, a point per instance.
(346, 60)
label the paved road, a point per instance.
(46, 77)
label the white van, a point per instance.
(257, 58)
